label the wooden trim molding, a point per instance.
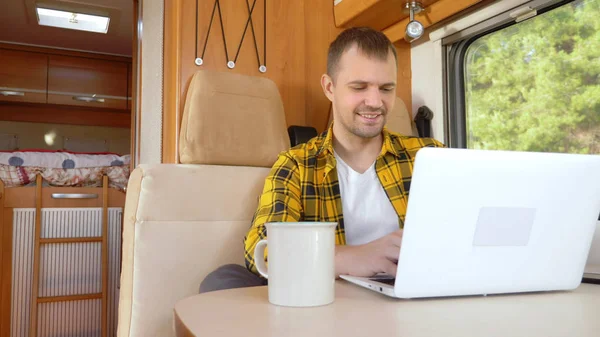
(7, 234)
(24, 197)
(104, 256)
(171, 81)
(346, 11)
(55, 299)
(433, 14)
(5, 264)
(136, 78)
(61, 114)
(70, 240)
(33, 320)
(64, 52)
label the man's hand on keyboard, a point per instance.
(378, 256)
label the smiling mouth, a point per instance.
(368, 116)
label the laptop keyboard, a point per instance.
(386, 280)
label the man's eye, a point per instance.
(387, 89)
(358, 88)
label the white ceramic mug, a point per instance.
(301, 256)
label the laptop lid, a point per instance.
(485, 222)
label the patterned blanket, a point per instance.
(84, 170)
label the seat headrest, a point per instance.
(399, 120)
(232, 119)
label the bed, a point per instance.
(60, 226)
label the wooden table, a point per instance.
(361, 312)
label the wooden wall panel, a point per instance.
(298, 35)
(320, 32)
(172, 107)
(404, 85)
(285, 56)
(285, 46)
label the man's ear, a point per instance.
(327, 85)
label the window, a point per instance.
(530, 86)
(527, 86)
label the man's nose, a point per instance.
(373, 99)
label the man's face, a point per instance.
(362, 92)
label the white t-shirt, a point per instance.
(368, 213)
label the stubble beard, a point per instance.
(364, 131)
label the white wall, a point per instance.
(427, 85)
(150, 137)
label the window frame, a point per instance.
(454, 49)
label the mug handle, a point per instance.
(259, 258)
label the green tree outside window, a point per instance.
(535, 86)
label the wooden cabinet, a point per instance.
(44, 85)
(87, 82)
(23, 76)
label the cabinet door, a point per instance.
(23, 76)
(87, 82)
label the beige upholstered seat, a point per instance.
(184, 220)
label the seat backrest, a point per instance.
(232, 119)
(182, 221)
(399, 120)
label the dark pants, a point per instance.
(231, 276)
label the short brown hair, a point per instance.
(369, 41)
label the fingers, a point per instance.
(395, 238)
(392, 252)
(389, 267)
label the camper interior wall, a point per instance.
(298, 35)
(151, 87)
(427, 83)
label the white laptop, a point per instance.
(495, 222)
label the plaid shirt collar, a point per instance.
(388, 144)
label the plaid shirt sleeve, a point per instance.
(279, 202)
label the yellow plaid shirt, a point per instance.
(303, 185)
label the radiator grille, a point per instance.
(65, 269)
(75, 318)
(70, 269)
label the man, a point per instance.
(356, 173)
